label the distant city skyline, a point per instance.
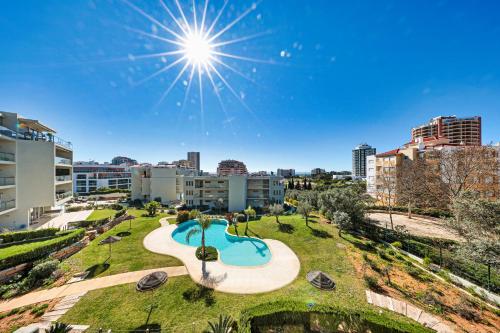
(317, 88)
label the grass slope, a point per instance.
(100, 214)
(181, 307)
(128, 254)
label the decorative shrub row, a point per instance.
(120, 212)
(89, 223)
(439, 251)
(19, 236)
(38, 250)
(432, 212)
(290, 312)
(210, 253)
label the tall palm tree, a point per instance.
(204, 223)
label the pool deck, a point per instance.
(280, 271)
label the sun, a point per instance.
(197, 49)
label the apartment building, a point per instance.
(231, 167)
(459, 131)
(120, 160)
(194, 158)
(317, 172)
(359, 155)
(89, 176)
(171, 184)
(35, 171)
(287, 173)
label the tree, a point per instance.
(219, 203)
(309, 185)
(343, 221)
(478, 222)
(276, 210)
(291, 185)
(224, 325)
(297, 185)
(312, 197)
(194, 214)
(152, 207)
(305, 208)
(249, 212)
(304, 184)
(203, 224)
(462, 168)
(343, 200)
(411, 183)
(386, 189)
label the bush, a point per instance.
(75, 209)
(427, 261)
(19, 236)
(34, 251)
(39, 309)
(182, 216)
(39, 273)
(383, 255)
(210, 253)
(171, 211)
(397, 244)
(89, 223)
(241, 218)
(116, 206)
(194, 214)
(120, 213)
(137, 203)
(371, 282)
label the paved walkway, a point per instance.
(281, 270)
(87, 285)
(62, 220)
(408, 310)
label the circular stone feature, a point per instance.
(320, 280)
(152, 281)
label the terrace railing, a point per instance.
(7, 181)
(63, 178)
(62, 160)
(8, 157)
(63, 195)
(9, 204)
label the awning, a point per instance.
(35, 125)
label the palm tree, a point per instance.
(203, 224)
(249, 212)
(224, 325)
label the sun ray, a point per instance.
(162, 70)
(234, 56)
(194, 18)
(172, 84)
(241, 39)
(230, 25)
(202, 111)
(163, 39)
(216, 91)
(183, 16)
(152, 19)
(173, 17)
(212, 26)
(203, 17)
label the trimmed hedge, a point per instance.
(432, 212)
(90, 223)
(19, 236)
(210, 253)
(19, 254)
(289, 312)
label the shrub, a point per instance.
(241, 218)
(182, 216)
(397, 245)
(116, 206)
(31, 252)
(427, 261)
(157, 199)
(383, 255)
(210, 253)
(19, 236)
(171, 211)
(39, 309)
(152, 207)
(74, 209)
(194, 214)
(44, 269)
(137, 203)
(120, 213)
(371, 282)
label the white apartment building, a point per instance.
(35, 171)
(170, 184)
(89, 176)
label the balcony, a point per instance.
(7, 205)
(61, 179)
(63, 161)
(7, 181)
(63, 195)
(7, 157)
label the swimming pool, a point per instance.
(233, 250)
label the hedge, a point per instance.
(437, 249)
(19, 236)
(287, 312)
(211, 253)
(432, 212)
(89, 223)
(19, 254)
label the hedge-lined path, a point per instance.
(408, 310)
(84, 286)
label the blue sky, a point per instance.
(335, 74)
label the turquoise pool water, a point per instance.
(233, 250)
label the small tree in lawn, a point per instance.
(343, 221)
(203, 224)
(276, 210)
(305, 208)
(152, 207)
(249, 212)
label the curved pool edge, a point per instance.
(284, 266)
(219, 256)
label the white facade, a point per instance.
(235, 192)
(371, 175)
(88, 177)
(35, 171)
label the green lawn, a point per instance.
(127, 255)
(100, 214)
(318, 247)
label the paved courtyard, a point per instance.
(283, 268)
(60, 221)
